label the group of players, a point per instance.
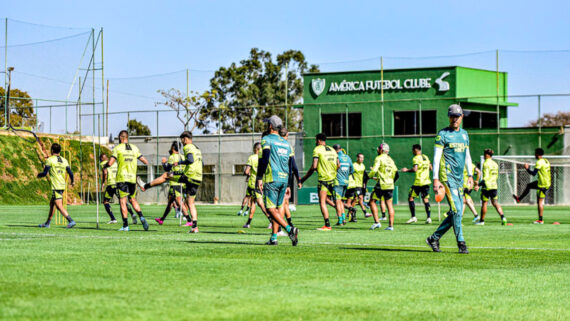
(271, 173)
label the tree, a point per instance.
(561, 118)
(21, 108)
(258, 81)
(189, 109)
(136, 128)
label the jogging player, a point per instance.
(127, 156)
(108, 179)
(325, 162)
(453, 144)
(542, 184)
(57, 167)
(341, 184)
(273, 175)
(386, 174)
(489, 187)
(254, 195)
(420, 188)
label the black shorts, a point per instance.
(127, 189)
(380, 194)
(421, 191)
(191, 185)
(489, 194)
(354, 192)
(110, 191)
(176, 191)
(57, 194)
(253, 192)
(467, 191)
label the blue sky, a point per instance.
(155, 37)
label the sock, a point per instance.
(502, 216)
(273, 237)
(240, 211)
(147, 186)
(539, 218)
(288, 228)
(187, 217)
(428, 209)
(130, 210)
(48, 221)
(69, 219)
(269, 218)
(140, 214)
(383, 214)
(166, 212)
(108, 209)
(327, 222)
(289, 219)
(125, 222)
(412, 208)
(343, 216)
(340, 218)
(248, 221)
(194, 224)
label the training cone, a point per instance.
(241, 232)
(556, 223)
(440, 194)
(509, 224)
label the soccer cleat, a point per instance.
(144, 223)
(293, 235)
(140, 183)
(189, 223)
(366, 215)
(159, 221)
(538, 222)
(475, 219)
(504, 221)
(270, 226)
(134, 217)
(412, 220)
(194, 230)
(246, 226)
(479, 223)
(44, 225)
(271, 242)
(517, 199)
(389, 228)
(428, 220)
(325, 228)
(462, 247)
(376, 225)
(383, 218)
(353, 219)
(124, 229)
(112, 222)
(246, 213)
(71, 224)
(433, 243)
(239, 213)
(282, 233)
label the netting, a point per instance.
(513, 178)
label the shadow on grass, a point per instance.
(384, 249)
(232, 233)
(224, 242)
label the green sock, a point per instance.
(343, 216)
(288, 228)
(274, 237)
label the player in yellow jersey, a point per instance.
(57, 167)
(542, 184)
(325, 162)
(192, 175)
(420, 188)
(468, 200)
(109, 185)
(385, 172)
(254, 195)
(357, 188)
(127, 156)
(489, 187)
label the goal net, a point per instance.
(513, 178)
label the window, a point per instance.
(239, 169)
(408, 122)
(209, 169)
(479, 119)
(334, 125)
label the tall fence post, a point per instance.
(539, 124)
(6, 71)
(498, 108)
(421, 122)
(382, 93)
(156, 165)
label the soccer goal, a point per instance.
(513, 178)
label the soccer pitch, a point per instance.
(519, 272)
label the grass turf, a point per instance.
(513, 272)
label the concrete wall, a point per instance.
(223, 152)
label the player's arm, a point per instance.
(375, 168)
(45, 172)
(111, 161)
(143, 160)
(531, 172)
(469, 164)
(311, 170)
(262, 167)
(396, 176)
(365, 179)
(294, 171)
(337, 163)
(103, 176)
(188, 161)
(410, 170)
(437, 153)
(70, 173)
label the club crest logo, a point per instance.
(318, 86)
(442, 85)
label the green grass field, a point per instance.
(519, 272)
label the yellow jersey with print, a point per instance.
(194, 170)
(422, 173)
(111, 173)
(490, 173)
(252, 162)
(384, 171)
(543, 175)
(127, 156)
(327, 162)
(57, 172)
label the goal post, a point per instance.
(513, 178)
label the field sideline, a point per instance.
(513, 273)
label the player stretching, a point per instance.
(343, 172)
(176, 190)
(273, 175)
(325, 162)
(489, 187)
(108, 178)
(453, 143)
(542, 184)
(467, 200)
(357, 188)
(56, 166)
(255, 195)
(127, 155)
(386, 174)
(420, 188)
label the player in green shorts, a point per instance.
(341, 183)
(325, 162)
(255, 196)
(489, 187)
(453, 144)
(385, 172)
(357, 188)
(273, 175)
(468, 200)
(57, 167)
(542, 184)
(420, 188)
(127, 156)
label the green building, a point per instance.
(361, 109)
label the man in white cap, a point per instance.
(453, 144)
(385, 173)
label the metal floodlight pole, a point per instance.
(187, 98)
(286, 93)
(6, 71)
(382, 93)
(103, 86)
(498, 108)
(92, 76)
(539, 124)
(347, 131)
(156, 165)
